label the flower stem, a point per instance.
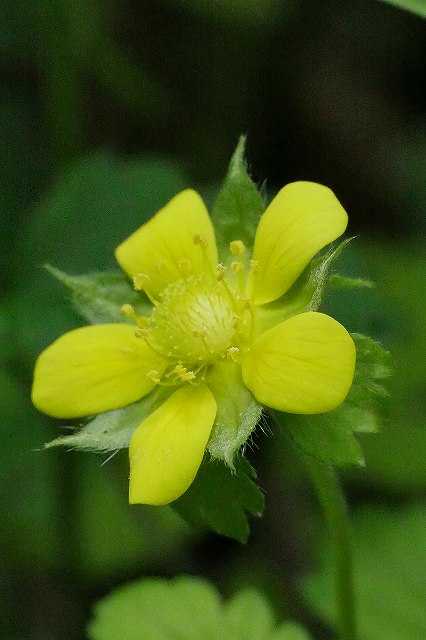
(334, 506)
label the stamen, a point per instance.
(254, 266)
(141, 333)
(154, 375)
(237, 247)
(183, 373)
(161, 266)
(220, 272)
(128, 311)
(233, 353)
(141, 282)
(201, 240)
(185, 267)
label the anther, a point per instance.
(232, 353)
(201, 240)
(185, 267)
(237, 247)
(236, 321)
(140, 280)
(183, 373)
(161, 266)
(237, 266)
(254, 266)
(128, 311)
(153, 375)
(220, 272)
(141, 333)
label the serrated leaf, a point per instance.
(329, 436)
(237, 411)
(98, 297)
(390, 574)
(238, 206)
(186, 608)
(368, 400)
(221, 499)
(326, 436)
(112, 430)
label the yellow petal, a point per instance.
(301, 220)
(164, 247)
(303, 365)
(93, 369)
(166, 450)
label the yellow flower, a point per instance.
(209, 323)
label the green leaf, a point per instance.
(249, 616)
(112, 430)
(98, 297)
(415, 6)
(367, 403)
(390, 574)
(221, 499)
(239, 205)
(326, 436)
(237, 411)
(185, 608)
(329, 436)
(155, 609)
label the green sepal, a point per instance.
(221, 498)
(329, 436)
(98, 297)
(237, 411)
(337, 281)
(238, 206)
(305, 294)
(113, 430)
(186, 608)
(368, 399)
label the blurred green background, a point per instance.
(107, 109)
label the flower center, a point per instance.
(197, 319)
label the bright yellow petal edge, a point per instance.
(93, 369)
(164, 247)
(302, 219)
(167, 449)
(303, 365)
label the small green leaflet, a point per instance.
(112, 430)
(187, 608)
(221, 498)
(238, 206)
(329, 436)
(98, 297)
